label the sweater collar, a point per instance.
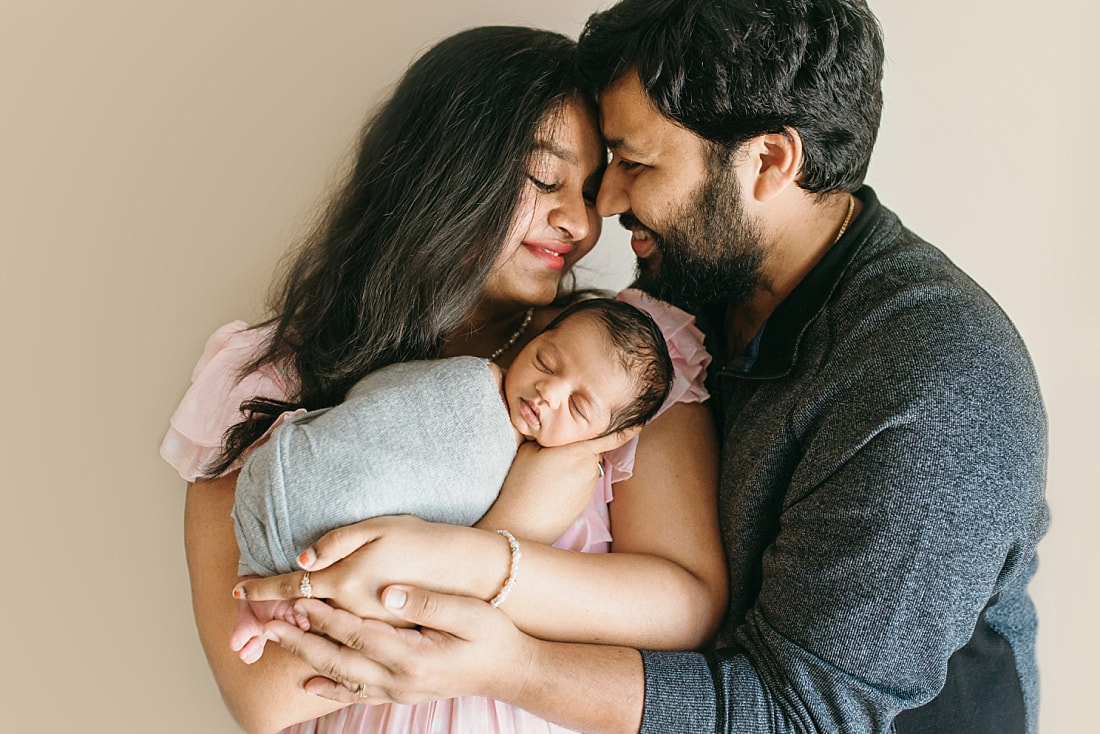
(775, 347)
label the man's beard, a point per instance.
(708, 251)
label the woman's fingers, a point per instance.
(342, 542)
(285, 586)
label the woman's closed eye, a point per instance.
(543, 186)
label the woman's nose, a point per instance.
(570, 217)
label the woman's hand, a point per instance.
(351, 565)
(547, 488)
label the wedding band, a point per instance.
(305, 589)
(361, 691)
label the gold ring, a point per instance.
(361, 691)
(305, 589)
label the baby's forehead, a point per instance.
(576, 334)
(612, 358)
(584, 319)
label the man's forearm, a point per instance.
(590, 688)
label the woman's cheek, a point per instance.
(595, 226)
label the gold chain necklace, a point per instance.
(515, 335)
(847, 218)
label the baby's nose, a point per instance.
(552, 390)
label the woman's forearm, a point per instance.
(632, 598)
(664, 587)
(266, 696)
(615, 599)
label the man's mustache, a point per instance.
(629, 221)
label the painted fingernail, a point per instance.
(238, 593)
(306, 558)
(395, 599)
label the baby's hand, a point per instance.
(248, 638)
(547, 488)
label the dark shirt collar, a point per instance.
(775, 347)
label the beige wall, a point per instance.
(156, 158)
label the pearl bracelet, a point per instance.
(513, 569)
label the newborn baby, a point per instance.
(436, 438)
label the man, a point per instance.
(884, 440)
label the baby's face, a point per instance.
(566, 383)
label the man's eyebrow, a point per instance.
(556, 150)
(620, 144)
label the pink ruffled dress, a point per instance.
(212, 403)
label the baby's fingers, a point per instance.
(612, 441)
(252, 650)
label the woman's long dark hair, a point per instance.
(408, 242)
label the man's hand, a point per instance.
(462, 647)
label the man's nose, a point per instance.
(612, 198)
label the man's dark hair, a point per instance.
(643, 355)
(730, 70)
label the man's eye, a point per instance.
(541, 366)
(628, 165)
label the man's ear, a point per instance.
(775, 162)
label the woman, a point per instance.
(472, 196)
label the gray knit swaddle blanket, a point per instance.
(429, 438)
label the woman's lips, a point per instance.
(530, 413)
(552, 254)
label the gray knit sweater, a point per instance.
(881, 499)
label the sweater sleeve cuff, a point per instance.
(679, 693)
(719, 692)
